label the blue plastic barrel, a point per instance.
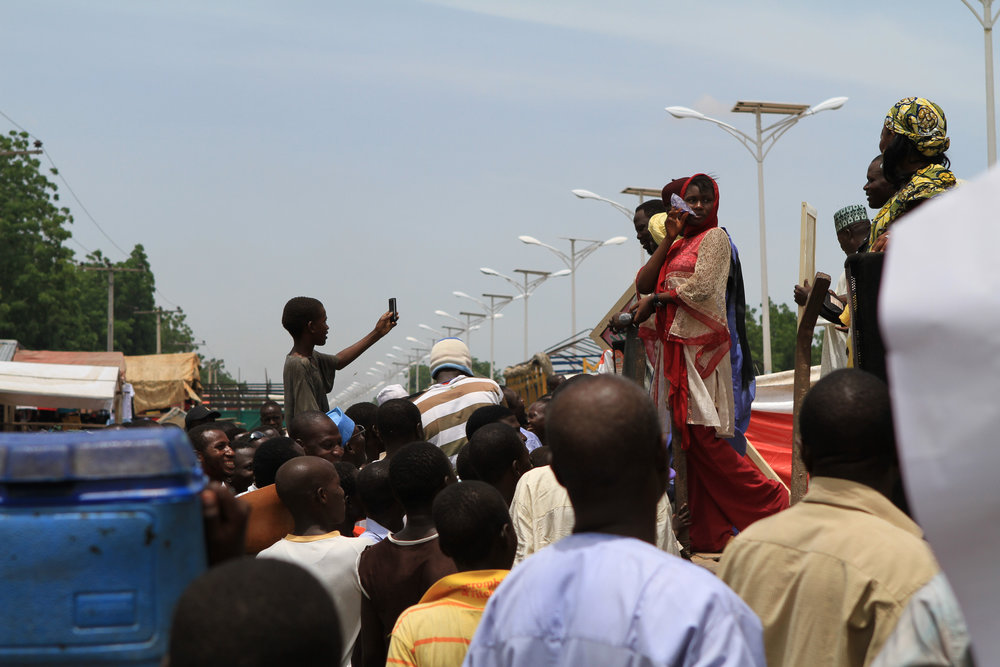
(99, 534)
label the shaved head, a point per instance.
(605, 439)
(846, 426)
(310, 488)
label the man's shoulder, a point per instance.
(460, 386)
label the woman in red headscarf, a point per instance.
(688, 284)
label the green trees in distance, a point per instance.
(783, 331)
(46, 300)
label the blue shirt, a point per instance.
(595, 599)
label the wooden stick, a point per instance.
(803, 364)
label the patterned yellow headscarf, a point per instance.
(921, 121)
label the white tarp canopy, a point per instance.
(58, 385)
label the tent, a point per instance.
(48, 385)
(163, 380)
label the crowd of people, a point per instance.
(456, 526)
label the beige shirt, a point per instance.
(542, 514)
(829, 577)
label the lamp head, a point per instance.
(585, 194)
(825, 105)
(488, 271)
(441, 313)
(684, 112)
(615, 240)
(564, 272)
(531, 239)
(462, 294)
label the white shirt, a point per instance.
(331, 558)
(542, 514)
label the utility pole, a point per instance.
(38, 149)
(159, 311)
(112, 270)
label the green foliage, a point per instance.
(47, 301)
(783, 332)
(41, 297)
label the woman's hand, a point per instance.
(675, 223)
(642, 309)
(880, 243)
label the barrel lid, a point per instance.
(95, 455)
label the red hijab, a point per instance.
(712, 219)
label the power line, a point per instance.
(58, 172)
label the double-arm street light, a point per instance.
(526, 289)
(493, 312)
(573, 259)
(759, 146)
(468, 322)
(987, 19)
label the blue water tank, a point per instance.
(100, 532)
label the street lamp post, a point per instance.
(759, 147)
(987, 20)
(493, 311)
(525, 290)
(574, 259)
(420, 354)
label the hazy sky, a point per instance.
(355, 151)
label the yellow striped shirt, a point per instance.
(437, 630)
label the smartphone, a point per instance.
(392, 309)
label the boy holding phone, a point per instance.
(308, 375)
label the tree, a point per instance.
(41, 299)
(784, 328)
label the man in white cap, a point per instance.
(454, 396)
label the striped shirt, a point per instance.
(445, 407)
(438, 629)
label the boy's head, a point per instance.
(363, 414)
(499, 457)
(536, 416)
(242, 476)
(272, 455)
(271, 415)
(463, 464)
(491, 414)
(317, 434)
(474, 527)
(375, 492)
(353, 511)
(417, 473)
(282, 613)
(516, 405)
(305, 319)
(540, 456)
(310, 488)
(398, 422)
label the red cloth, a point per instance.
(725, 490)
(771, 434)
